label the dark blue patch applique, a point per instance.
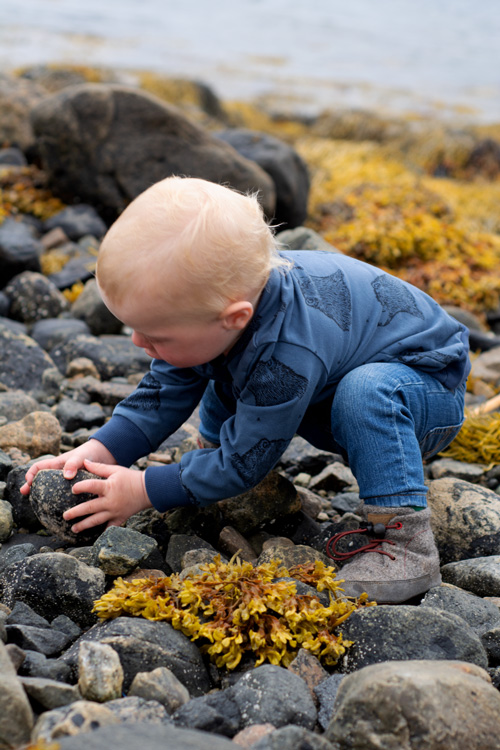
(251, 466)
(416, 357)
(330, 295)
(395, 298)
(273, 382)
(147, 395)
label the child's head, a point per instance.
(188, 248)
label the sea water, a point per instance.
(431, 56)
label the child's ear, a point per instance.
(237, 315)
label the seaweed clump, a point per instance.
(24, 190)
(478, 441)
(233, 609)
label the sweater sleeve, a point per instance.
(161, 403)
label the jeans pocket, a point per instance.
(438, 439)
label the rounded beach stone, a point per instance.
(6, 520)
(100, 673)
(418, 704)
(51, 495)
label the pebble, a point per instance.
(100, 673)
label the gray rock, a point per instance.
(119, 551)
(487, 366)
(145, 735)
(90, 308)
(47, 641)
(144, 646)
(13, 157)
(105, 144)
(100, 673)
(491, 642)
(48, 693)
(480, 575)
(54, 331)
(479, 613)
(5, 460)
(80, 717)
(303, 238)
(15, 405)
(465, 519)
(77, 221)
(133, 709)
(23, 363)
(160, 685)
(51, 583)
(273, 496)
(15, 554)
(66, 625)
(346, 502)
(390, 633)
(180, 544)
(23, 614)
(36, 664)
(19, 250)
(448, 467)
(296, 554)
(276, 695)
(17, 97)
(113, 356)
(334, 478)
(16, 654)
(73, 415)
(286, 168)
(51, 495)
(6, 520)
(217, 713)
(293, 738)
(301, 455)
(16, 715)
(24, 515)
(326, 693)
(34, 297)
(415, 705)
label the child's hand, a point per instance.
(120, 493)
(70, 462)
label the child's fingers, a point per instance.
(102, 470)
(88, 523)
(91, 486)
(89, 507)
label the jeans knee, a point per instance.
(362, 386)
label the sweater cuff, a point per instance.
(124, 440)
(164, 488)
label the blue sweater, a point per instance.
(314, 324)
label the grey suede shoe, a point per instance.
(399, 561)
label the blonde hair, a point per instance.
(194, 243)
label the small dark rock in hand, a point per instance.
(51, 495)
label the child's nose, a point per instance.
(138, 339)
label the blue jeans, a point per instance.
(384, 418)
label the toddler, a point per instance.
(271, 344)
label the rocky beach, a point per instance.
(91, 652)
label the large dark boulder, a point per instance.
(104, 144)
(287, 169)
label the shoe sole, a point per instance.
(391, 592)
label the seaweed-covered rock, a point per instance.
(105, 144)
(417, 704)
(52, 583)
(465, 519)
(51, 494)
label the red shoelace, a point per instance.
(374, 545)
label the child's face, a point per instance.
(185, 344)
